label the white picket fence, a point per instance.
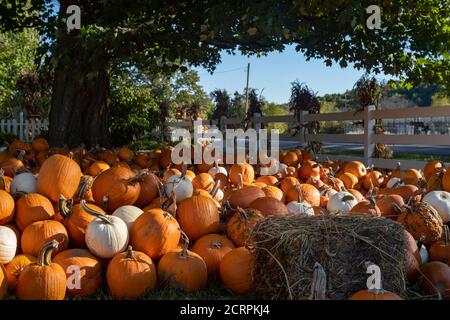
(368, 138)
(25, 129)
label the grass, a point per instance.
(397, 155)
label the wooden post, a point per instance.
(369, 126)
(256, 121)
(302, 138)
(21, 126)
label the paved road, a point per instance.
(415, 149)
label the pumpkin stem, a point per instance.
(396, 208)
(299, 192)
(185, 244)
(86, 184)
(372, 202)
(240, 181)
(215, 188)
(130, 253)
(216, 244)
(45, 255)
(242, 213)
(95, 213)
(65, 207)
(21, 155)
(319, 283)
(348, 198)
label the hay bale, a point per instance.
(286, 249)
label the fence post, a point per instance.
(22, 127)
(222, 124)
(256, 121)
(369, 126)
(302, 138)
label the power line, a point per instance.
(224, 71)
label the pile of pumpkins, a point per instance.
(75, 221)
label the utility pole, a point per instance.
(246, 89)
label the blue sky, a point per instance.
(275, 72)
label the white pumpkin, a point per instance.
(216, 169)
(25, 183)
(219, 195)
(394, 182)
(282, 167)
(301, 208)
(128, 214)
(440, 200)
(341, 201)
(180, 185)
(107, 235)
(8, 244)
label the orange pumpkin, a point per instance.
(125, 154)
(198, 215)
(309, 194)
(349, 180)
(373, 179)
(155, 232)
(6, 207)
(440, 250)
(37, 234)
(5, 182)
(236, 270)
(288, 183)
(212, 248)
(412, 258)
(40, 145)
(150, 185)
(356, 168)
(119, 186)
(432, 167)
(130, 274)
(15, 267)
(412, 176)
(274, 192)
(3, 283)
(76, 221)
(390, 205)
(375, 295)
(243, 197)
(203, 181)
(367, 208)
(290, 159)
(241, 224)
(269, 206)
(446, 181)
(308, 169)
(90, 275)
(33, 207)
(97, 167)
(435, 279)
(59, 175)
(268, 180)
(244, 169)
(423, 222)
(42, 280)
(183, 269)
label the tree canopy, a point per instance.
(413, 42)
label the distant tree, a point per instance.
(222, 104)
(17, 59)
(304, 99)
(368, 92)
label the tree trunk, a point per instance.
(80, 109)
